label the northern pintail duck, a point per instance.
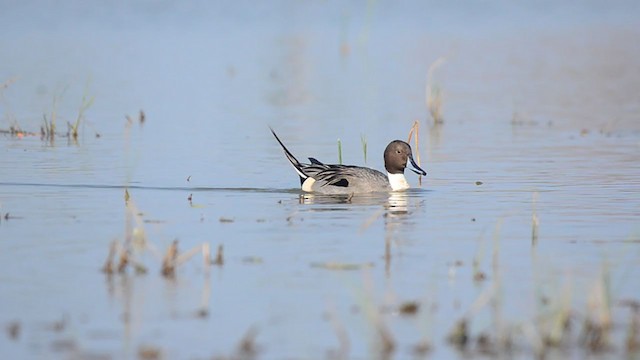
(323, 178)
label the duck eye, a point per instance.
(398, 151)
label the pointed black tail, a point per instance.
(292, 159)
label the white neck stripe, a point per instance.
(398, 182)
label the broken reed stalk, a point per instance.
(415, 130)
(170, 260)
(339, 152)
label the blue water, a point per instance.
(539, 103)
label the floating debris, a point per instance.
(226, 220)
(341, 266)
(479, 276)
(252, 260)
(153, 221)
(409, 308)
(478, 183)
(142, 117)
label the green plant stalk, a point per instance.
(363, 140)
(86, 104)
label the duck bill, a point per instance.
(416, 169)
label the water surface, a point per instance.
(540, 121)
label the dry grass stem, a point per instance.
(415, 133)
(187, 255)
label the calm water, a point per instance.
(541, 114)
